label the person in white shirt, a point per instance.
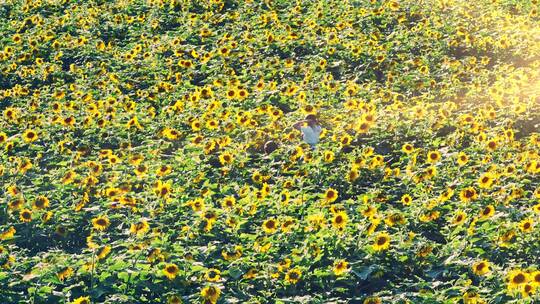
(311, 130)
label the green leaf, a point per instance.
(124, 276)
(235, 272)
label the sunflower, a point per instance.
(433, 156)
(492, 144)
(242, 94)
(372, 300)
(407, 148)
(3, 137)
(211, 293)
(164, 170)
(100, 223)
(481, 268)
(462, 159)
(141, 170)
(330, 195)
(459, 218)
(103, 252)
(30, 136)
(340, 220)
(328, 156)
(174, 299)
(526, 225)
(212, 275)
(139, 228)
(8, 234)
(345, 140)
(293, 276)
(270, 226)
(535, 277)
(64, 273)
(487, 212)
(527, 290)
(382, 241)
(340, 267)
(446, 195)
(16, 203)
(516, 278)
(468, 194)
(228, 202)
(171, 271)
(196, 125)
(353, 175)
(162, 189)
(81, 300)
(250, 274)
(226, 158)
(424, 251)
(25, 216)
(69, 177)
(284, 197)
(231, 93)
(471, 297)
(406, 199)
(486, 180)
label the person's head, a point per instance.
(312, 119)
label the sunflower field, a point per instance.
(148, 154)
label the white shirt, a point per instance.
(311, 135)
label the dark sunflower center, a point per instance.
(518, 279)
(101, 222)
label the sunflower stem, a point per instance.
(92, 272)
